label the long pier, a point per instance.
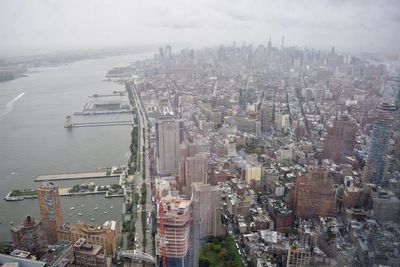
(64, 191)
(102, 123)
(104, 112)
(75, 176)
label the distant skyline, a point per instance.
(48, 25)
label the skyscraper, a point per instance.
(206, 203)
(266, 117)
(243, 98)
(206, 200)
(341, 139)
(379, 142)
(50, 210)
(196, 168)
(167, 146)
(29, 236)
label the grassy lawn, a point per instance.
(219, 252)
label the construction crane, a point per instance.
(160, 212)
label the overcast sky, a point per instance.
(362, 25)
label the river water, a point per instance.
(33, 139)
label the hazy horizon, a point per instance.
(46, 25)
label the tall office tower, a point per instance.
(243, 98)
(341, 139)
(266, 117)
(206, 203)
(168, 51)
(160, 52)
(50, 210)
(29, 236)
(103, 235)
(313, 194)
(196, 168)
(167, 144)
(175, 233)
(269, 50)
(379, 143)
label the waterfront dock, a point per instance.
(104, 123)
(65, 191)
(76, 176)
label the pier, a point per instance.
(94, 124)
(76, 176)
(65, 191)
(102, 112)
(70, 124)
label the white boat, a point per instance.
(82, 205)
(72, 208)
(79, 214)
(96, 208)
(93, 219)
(105, 212)
(13, 198)
(111, 207)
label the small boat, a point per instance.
(111, 207)
(70, 215)
(83, 205)
(79, 221)
(93, 220)
(96, 208)
(72, 208)
(105, 212)
(79, 214)
(13, 198)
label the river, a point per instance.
(33, 139)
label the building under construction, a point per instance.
(173, 226)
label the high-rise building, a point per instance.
(168, 51)
(196, 168)
(29, 236)
(174, 235)
(50, 210)
(103, 235)
(379, 143)
(160, 52)
(243, 98)
(88, 254)
(341, 139)
(266, 117)
(313, 195)
(167, 144)
(206, 203)
(206, 200)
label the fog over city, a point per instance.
(366, 26)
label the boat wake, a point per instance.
(10, 105)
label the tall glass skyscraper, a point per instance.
(379, 143)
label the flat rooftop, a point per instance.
(72, 176)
